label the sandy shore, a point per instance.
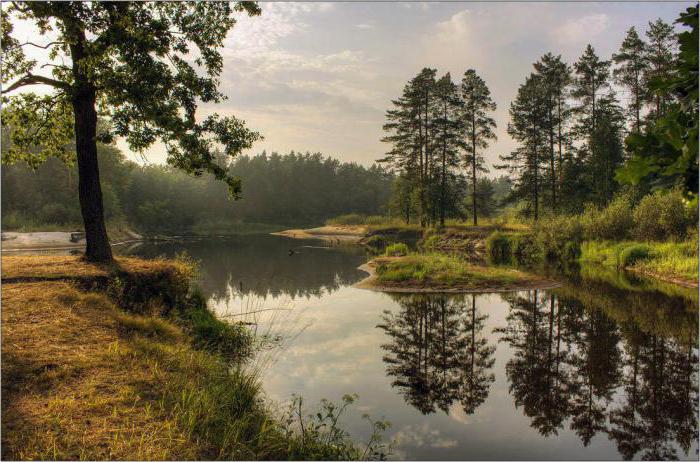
(48, 240)
(347, 234)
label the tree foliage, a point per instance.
(666, 153)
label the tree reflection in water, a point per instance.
(437, 353)
(577, 364)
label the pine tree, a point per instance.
(446, 138)
(660, 55)
(527, 126)
(478, 125)
(607, 153)
(591, 80)
(632, 63)
(555, 76)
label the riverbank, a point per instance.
(674, 262)
(332, 234)
(61, 240)
(438, 273)
(125, 361)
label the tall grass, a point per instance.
(445, 270)
(674, 259)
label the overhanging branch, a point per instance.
(31, 79)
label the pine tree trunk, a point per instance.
(474, 169)
(551, 159)
(89, 190)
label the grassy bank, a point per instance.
(675, 260)
(438, 272)
(126, 362)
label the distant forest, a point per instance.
(278, 189)
(290, 189)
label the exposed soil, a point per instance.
(683, 282)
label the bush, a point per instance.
(614, 222)
(376, 242)
(398, 249)
(632, 254)
(525, 249)
(662, 216)
(498, 247)
(429, 242)
(553, 236)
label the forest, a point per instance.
(586, 131)
(280, 190)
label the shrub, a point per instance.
(525, 249)
(662, 216)
(398, 249)
(553, 234)
(572, 251)
(429, 242)
(498, 247)
(614, 222)
(376, 242)
(631, 254)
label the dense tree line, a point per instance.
(576, 138)
(291, 189)
(437, 130)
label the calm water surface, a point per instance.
(602, 368)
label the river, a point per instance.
(605, 367)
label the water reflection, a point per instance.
(603, 367)
(572, 362)
(437, 353)
(261, 265)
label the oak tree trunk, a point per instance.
(84, 98)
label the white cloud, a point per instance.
(422, 436)
(580, 29)
(277, 21)
(457, 27)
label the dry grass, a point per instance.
(58, 267)
(65, 395)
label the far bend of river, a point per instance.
(602, 368)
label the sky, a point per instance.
(319, 77)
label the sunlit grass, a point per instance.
(447, 270)
(672, 259)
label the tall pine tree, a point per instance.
(478, 126)
(632, 64)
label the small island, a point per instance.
(440, 273)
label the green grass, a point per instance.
(669, 259)
(447, 270)
(398, 249)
